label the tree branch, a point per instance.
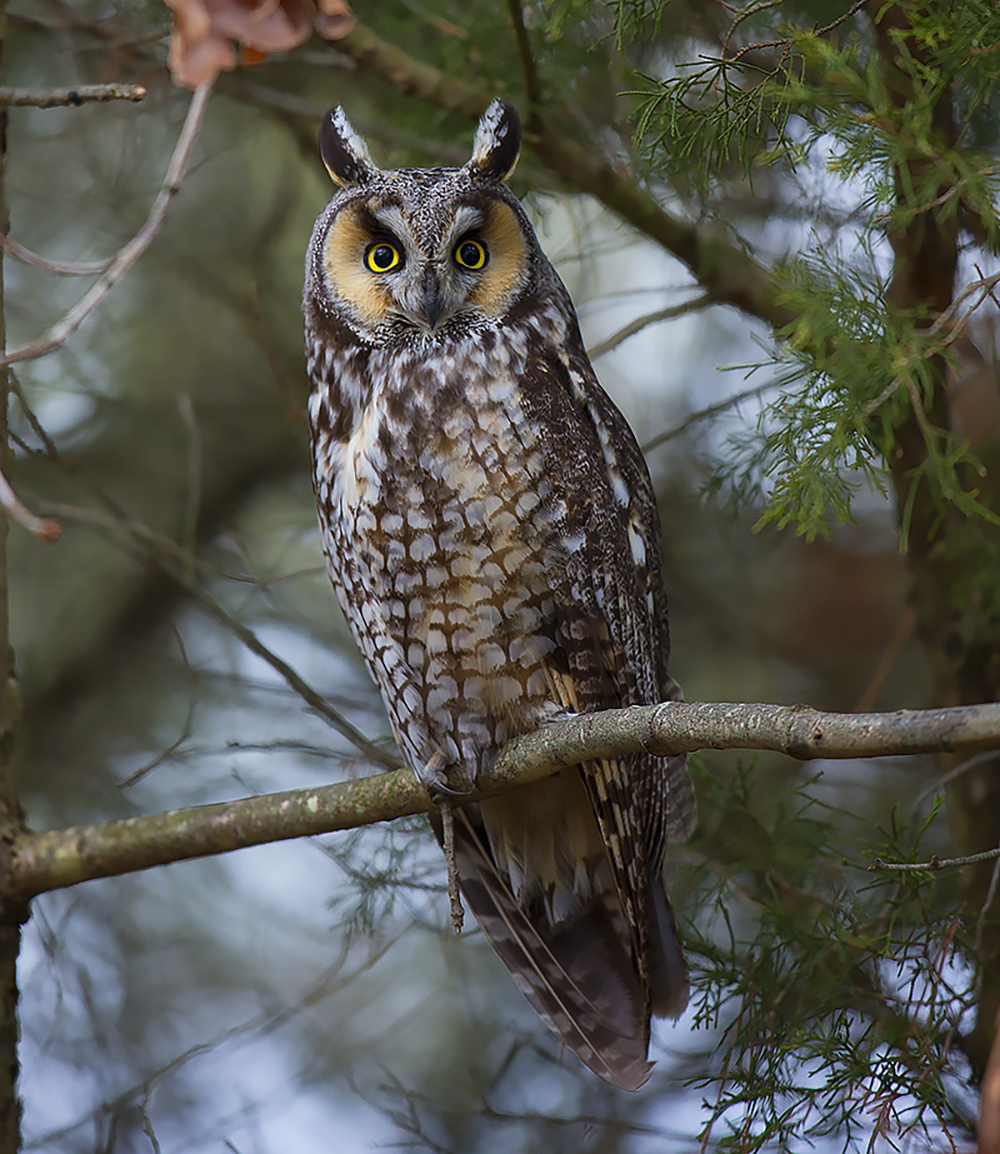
(13, 910)
(727, 273)
(707, 413)
(58, 858)
(179, 564)
(936, 863)
(63, 97)
(528, 68)
(17, 511)
(59, 267)
(640, 323)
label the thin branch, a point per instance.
(57, 858)
(900, 635)
(59, 267)
(130, 253)
(785, 42)
(991, 893)
(186, 729)
(745, 14)
(936, 863)
(11, 503)
(528, 67)
(641, 323)
(179, 564)
(65, 97)
(706, 413)
(950, 776)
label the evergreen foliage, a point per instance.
(791, 100)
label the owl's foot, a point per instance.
(443, 790)
(444, 781)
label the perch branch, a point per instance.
(57, 858)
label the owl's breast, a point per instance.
(441, 517)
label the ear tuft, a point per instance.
(344, 152)
(498, 143)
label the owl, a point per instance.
(491, 532)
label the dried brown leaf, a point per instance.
(206, 32)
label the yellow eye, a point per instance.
(471, 254)
(382, 257)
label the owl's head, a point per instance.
(430, 253)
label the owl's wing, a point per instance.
(613, 645)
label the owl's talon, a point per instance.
(435, 778)
(441, 793)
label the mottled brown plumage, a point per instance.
(491, 532)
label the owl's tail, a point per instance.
(578, 973)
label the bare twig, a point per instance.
(163, 755)
(949, 777)
(877, 402)
(129, 253)
(991, 893)
(46, 530)
(59, 267)
(179, 564)
(641, 323)
(905, 626)
(784, 42)
(935, 863)
(65, 97)
(946, 318)
(706, 413)
(745, 14)
(57, 858)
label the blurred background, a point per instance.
(309, 996)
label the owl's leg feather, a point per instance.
(434, 777)
(448, 844)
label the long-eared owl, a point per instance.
(491, 532)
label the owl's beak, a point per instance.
(432, 300)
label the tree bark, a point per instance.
(944, 548)
(12, 906)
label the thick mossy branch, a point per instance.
(58, 858)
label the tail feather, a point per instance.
(668, 972)
(578, 974)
